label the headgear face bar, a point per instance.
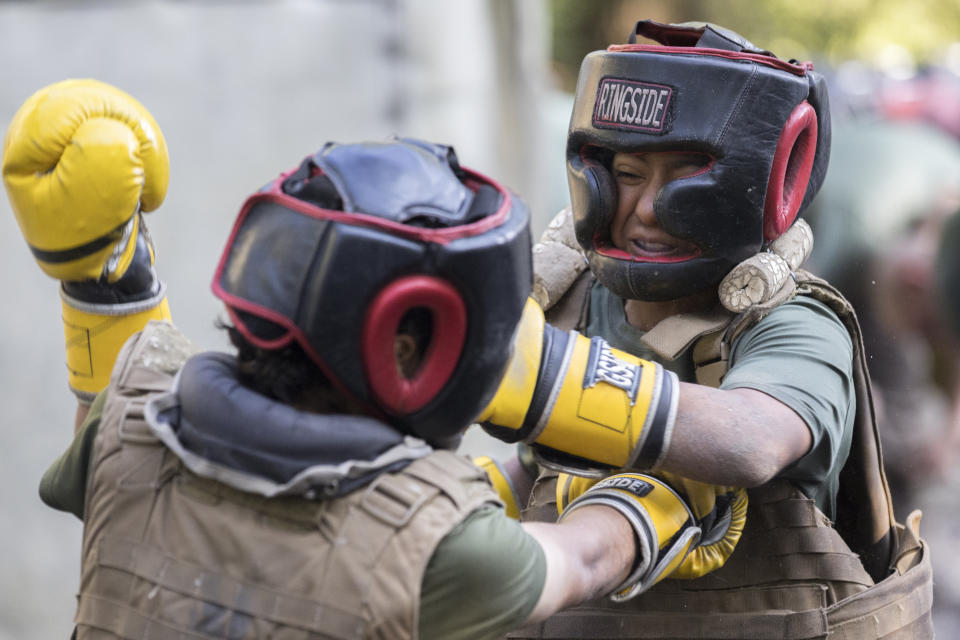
(763, 122)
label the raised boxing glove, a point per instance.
(720, 512)
(581, 403)
(665, 527)
(81, 161)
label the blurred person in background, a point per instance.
(894, 183)
(940, 496)
(305, 485)
(689, 162)
(894, 180)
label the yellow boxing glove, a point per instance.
(664, 525)
(501, 484)
(81, 161)
(580, 402)
(570, 487)
(720, 513)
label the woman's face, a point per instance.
(639, 178)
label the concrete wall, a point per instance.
(242, 91)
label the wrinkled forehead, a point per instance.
(666, 159)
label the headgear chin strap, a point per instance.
(763, 121)
(337, 253)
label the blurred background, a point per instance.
(246, 89)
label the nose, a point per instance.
(643, 210)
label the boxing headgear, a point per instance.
(763, 123)
(334, 254)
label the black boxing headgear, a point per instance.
(334, 254)
(763, 122)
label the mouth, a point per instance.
(651, 249)
(648, 248)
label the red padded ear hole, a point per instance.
(790, 173)
(394, 392)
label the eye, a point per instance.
(688, 164)
(629, 175)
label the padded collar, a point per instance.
(222, 430)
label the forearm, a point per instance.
(737, 437)
(588, 555)
(80, 416)
(567, 394)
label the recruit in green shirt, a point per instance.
(800, 354)
(483, 579)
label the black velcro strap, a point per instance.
(711, 39)
(139, 282)
(81, 251)
(485, 203)
(306, 183)
(551, 362)
(670, 35)
(655, 439)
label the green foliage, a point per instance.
(822, 30)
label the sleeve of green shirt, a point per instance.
(483, 580)
(802, 355)
(64, 484)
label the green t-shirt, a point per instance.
(800, 354)
(483, 579)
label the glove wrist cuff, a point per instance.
(664, 527)
(614, 410)
(654, 442)
(95, 332)
(115, 308)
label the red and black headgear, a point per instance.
(335, 254)
(763, 122)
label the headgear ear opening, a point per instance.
(395, 392)
(790, 171)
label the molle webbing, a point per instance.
(102, 605)
(168, 554)
(788, 540)
(364, 586)
(791, 577)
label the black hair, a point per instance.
(286, 374)
(290, 376)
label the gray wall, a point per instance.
(241, 91)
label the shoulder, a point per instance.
(159, 346)
(802, 318)
(805, 309)
(464, 484)
(484, 577)
(802, 345)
